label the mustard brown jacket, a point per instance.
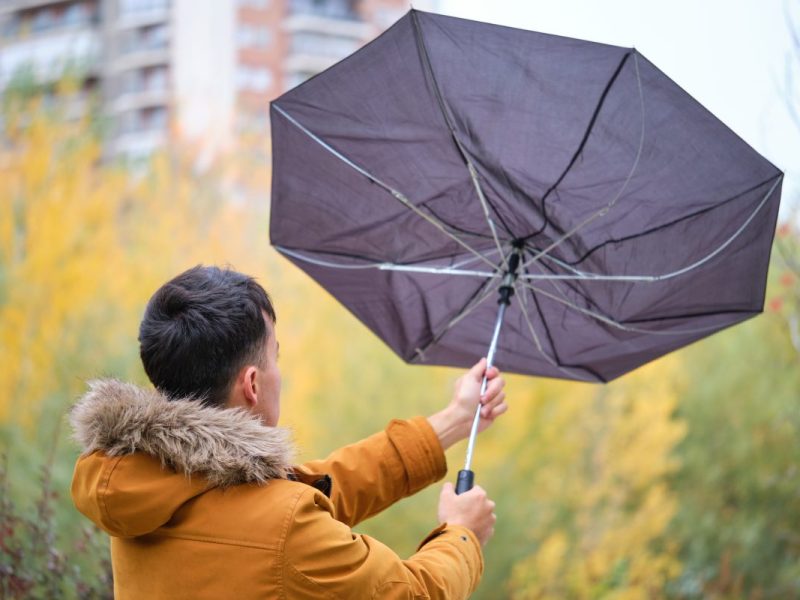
(202, 503)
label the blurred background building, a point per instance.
(206, 68)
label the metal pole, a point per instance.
(466, 477)
(489, 362)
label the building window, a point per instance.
(155, 37)
(154, 118)
(135, 7)
(337, 9)
(148, 119)
(153, 79)
(39, 20)
(11, 27)
(253, 36)
(253, 79)
(77, 14)
(258, 4)
(43, 19)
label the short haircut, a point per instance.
(199, 329)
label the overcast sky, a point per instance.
(729, 54)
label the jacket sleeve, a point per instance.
(374, 473)
(323, 558)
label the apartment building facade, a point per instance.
(204, 69)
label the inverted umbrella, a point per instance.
(452, 165)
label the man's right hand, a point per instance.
(472, 509)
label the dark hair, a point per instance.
(199, 329)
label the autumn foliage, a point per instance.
(680, 480)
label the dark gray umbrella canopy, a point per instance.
(406, 175)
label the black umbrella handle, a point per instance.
(465, 481)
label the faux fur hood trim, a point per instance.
(227, 446)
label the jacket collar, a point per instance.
(227, 446)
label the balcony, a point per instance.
(41, 18)
(144, 57)
(332, 18)
(143, 47)
(143, 98)
(331, 9)
(16, 5)
(151, 119)
(141, 13)
(146, 88)
(49, 55)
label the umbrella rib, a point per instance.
(473, 173)
(591, 372)
(603, 211)
(455, 228)
(608, 320)
(325, 263)
(467, 261)
(474, 176)
(545, 268)
(657, 228)
(397, 194)
(374, 262)
(365, 261)
(471, 304)
(437, 270)
(387, 266)
(584, 275)
(552, 361)
(585, 139)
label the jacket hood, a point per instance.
(226, 446)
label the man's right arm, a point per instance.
(324, 558)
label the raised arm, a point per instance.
(371, 475)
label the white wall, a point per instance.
(203, 47)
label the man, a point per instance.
(194, 482)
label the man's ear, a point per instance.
(250, 385)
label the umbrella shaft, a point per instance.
(489, 362)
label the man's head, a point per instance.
(209, 334)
